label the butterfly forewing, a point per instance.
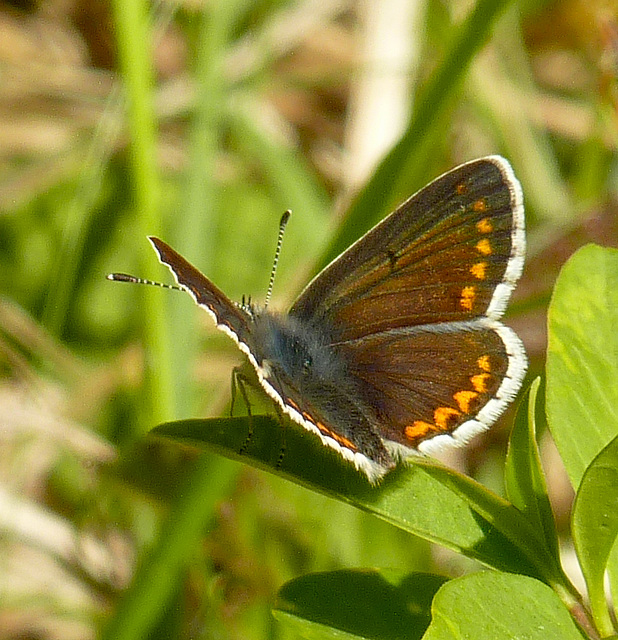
(440, 257)
(228, 316)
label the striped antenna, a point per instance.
(124, 277)
(284, 220)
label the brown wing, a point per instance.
(452, 252)
(228, 316)
(453, 380)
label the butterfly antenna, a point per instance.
(124, 277)
(284, 220)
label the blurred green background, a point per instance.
(201, 122)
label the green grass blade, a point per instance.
(80, 208)
(195, 230)
(524, 477)
(295, 186)
(157, 575)
(133, 29)
(405, 168)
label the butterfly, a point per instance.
(396, 347)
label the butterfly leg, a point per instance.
(239, 383)
(283, 432)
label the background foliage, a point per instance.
(202, 122)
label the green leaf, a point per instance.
(524, 476)
(358, 604)
(496, 606)
(595, 527)
(612, 574)
(582, 358)
(430, 501)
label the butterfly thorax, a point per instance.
(292, 352)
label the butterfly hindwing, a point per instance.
(428, 386)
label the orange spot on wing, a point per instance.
(479, 382)
(484, 363)
(461, 189)
(442, 416)
(464, 398)
(484, 247)
(447, 419)
(467, 298)
(484, 226)
(480, 205)
(479, 270)
(419, 429)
